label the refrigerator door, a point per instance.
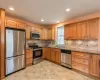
(21, 63)
(21, 43)
(9, 66)
(15, 43)
(11, 43)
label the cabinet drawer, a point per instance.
(80, 60)
(29, 61)
(81, 55)
(80, 67)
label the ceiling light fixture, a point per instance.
(57, 21)
(42, 20)
(68, 9)
(11, 8)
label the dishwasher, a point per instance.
(66, 58)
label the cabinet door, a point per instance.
(53, 55)
(84, 30)
(11, 23)
(29, 61)
(20, 25)
(95, 65)
(49, 34)
(53, 33)
(28, 32)
(73, 31)
(79, 31)
(93, 28)
(29, 53)
(66, 32)
(58, 57)
(46, 53)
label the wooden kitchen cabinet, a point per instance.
(80, 61)
(70, 31)
(49, 33)
(28, 31)
(29, 57)
(21, 25)
(95, 65)
(66, 32)
(53, 55)
(46, 53)
(93, 27)
(11, 23)
(58, 56)
(85, 30)
(53, 33)
(79, 31)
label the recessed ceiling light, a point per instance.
(57, 21)
(42, 20)
(68, 9)
(11, 8)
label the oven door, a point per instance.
(37, 53)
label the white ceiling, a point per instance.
(50, 10)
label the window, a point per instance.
(60, 35)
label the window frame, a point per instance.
(57, 36)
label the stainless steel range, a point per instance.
(37, 53)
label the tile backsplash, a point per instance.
(73, 44)
(40, 43)
(81, 44)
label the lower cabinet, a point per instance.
(29, 57)
(87, 63)
(46, 53)
(95, 65)
(52, 54)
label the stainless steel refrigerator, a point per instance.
(15, 50)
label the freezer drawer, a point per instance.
(14, 64)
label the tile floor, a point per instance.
(47, 71)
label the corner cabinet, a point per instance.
(52, 54)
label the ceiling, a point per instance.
(50, 10)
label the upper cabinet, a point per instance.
(28, 30)
(85, 30)
(21, 25)
(47, 34)
(10, 23)
(70, 31)
(93, 27)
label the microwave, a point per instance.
(35, 35)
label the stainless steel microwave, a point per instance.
(35, 35)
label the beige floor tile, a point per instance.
(47, 71)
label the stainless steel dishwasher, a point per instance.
(66, 58)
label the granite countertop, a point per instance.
(78, 50)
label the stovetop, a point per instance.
(34, 46)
